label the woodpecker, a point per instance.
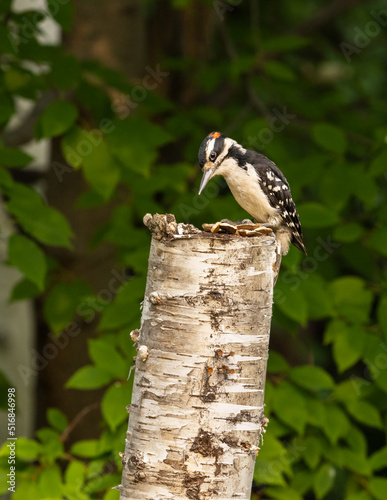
(256, 183)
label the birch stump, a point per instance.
(196, 414)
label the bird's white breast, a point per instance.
(244, 185)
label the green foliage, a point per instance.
(320, 115)
(56, 119)
(29, 258)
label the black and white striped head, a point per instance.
(218, 153)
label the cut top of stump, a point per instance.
(164, 227)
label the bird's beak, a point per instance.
(207, 174)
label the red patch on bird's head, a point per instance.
(215, 135)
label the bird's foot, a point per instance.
(240, 228)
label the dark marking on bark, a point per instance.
(193, 484)
(204, 444)
(243, 416)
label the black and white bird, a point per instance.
(257, 184)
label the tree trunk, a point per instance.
(196, 414)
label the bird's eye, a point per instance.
(212, 156)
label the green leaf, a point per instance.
(313, 451)
(351, 299)
(125, 307)
(11, 157)
(27, 489)
(44, 223)
(273, 448)
(356, 440)
(348, 233)
(333, 186)
(315, 215)
(361, 495)
(112, 495)
(316, 412)
(28, 449)
(101, 170)
(356, 462)
(57, 419)
(284, 493)
(28, 258)
(329, 137)
(134, 143)
(336, 423)
(88, 377)
(50, 483)
(378, 487)
(88, 448)
(289, 406)
(335, 455)
(363, 185)
(346, 390)
(382, 314)
(279, 71)
(101, 483)
(75, 474)
(318, 299)
(379, 164)
(24, 289)
(348, 347)
(267, 473)
(65, 71)
(378, 241)
(334, 329)
(365, 413)
(63, 15)
(106, 358)
(291, 301)
(56, 119)
(114, 403)
(6, 181)
(62, 302)
(52, 446)
(324, 480)
(276, 363)
(313, 378)
(378, 460)
(302, 480)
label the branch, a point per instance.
(76, 420)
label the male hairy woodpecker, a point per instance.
(257, 184)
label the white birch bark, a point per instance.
(196, 413)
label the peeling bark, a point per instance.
(196, 414)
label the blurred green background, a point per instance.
(122, 100)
